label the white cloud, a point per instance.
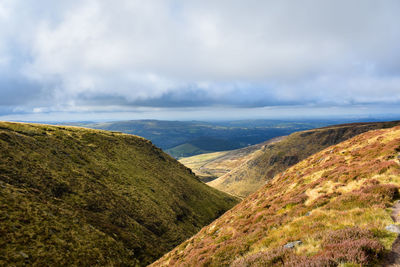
(263, 52)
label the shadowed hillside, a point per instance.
(331, 209)
(75, 196)
(277, 157)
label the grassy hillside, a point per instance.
(209, 166)
(336, 204)
(187, 138)
(74, 196)
(184, 150)
(277, 157)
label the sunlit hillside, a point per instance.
(331, 209)
(209, 166)
(277, 157)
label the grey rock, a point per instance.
(393, 228)
(293, 244)
(308, 213)
(23, 254)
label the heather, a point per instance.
(336, 202)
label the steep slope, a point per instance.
(277, 157)
(210, 166)
(335, 204)
(88, 197)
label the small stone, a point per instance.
(293, 244)
(308, 213)
(393, 228)
(23, 254)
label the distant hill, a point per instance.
(277, 157)
(82, 197)
(210, 166)
(331, 209)
(188, 138)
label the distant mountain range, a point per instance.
(188, 138)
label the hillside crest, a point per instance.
(277, 157)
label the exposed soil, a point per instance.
(393, 258)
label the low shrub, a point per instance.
(350, 245)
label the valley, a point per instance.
(188, 138)
(210, 166)
(319, 197)
(199, 133)
(274, 158)
(331, 209)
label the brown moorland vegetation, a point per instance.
(336, 202)
(210, 166)
(82, 197)
(277, 157)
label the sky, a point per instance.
(227, 59)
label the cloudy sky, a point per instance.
(170, 59)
